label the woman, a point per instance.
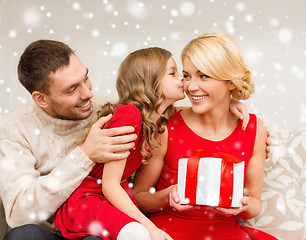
(214, 72)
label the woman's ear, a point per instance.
(40, 99)
(231, 85)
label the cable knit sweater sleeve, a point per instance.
(40, 165)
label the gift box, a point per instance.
(214, 179)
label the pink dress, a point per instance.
(199, 224)
(87, 211)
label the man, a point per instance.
(40, 162)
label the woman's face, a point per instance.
(205, 93)
(171, 83)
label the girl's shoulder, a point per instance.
(126, 115)
(128, 110)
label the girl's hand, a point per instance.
(268, 144)
(228, 212)
(174, 200)
(241, 111)
(158, 234)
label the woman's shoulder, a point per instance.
(259, 126)
(259, 122)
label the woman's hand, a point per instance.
(228, 212)
(174, 200)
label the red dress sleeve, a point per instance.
(125, 115)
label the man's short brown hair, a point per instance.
(38, 60)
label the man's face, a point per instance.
(70, 92)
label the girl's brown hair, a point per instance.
(138, 83)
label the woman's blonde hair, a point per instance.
(138, 83)
(218, 56)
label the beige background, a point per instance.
(271, 33)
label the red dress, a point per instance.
(199, 224)
(87, 211)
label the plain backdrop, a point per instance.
(272, 35)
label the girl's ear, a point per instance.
(231, 85)
(40, 99)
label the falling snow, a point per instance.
(152, 190)
(103, 32)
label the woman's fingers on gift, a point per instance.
(229, 211)
(176, 206)
(174, 194)
(245, 201)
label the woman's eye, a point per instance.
(186, 77)
(204, 76)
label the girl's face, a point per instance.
(205, 93)
(171, 84)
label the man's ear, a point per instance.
(231, 85)
(40, 99)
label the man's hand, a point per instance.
(104, 145)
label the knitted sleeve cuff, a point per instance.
(77, 156)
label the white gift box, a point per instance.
(208, 183)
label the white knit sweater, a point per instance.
(40, 165)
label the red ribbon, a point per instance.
(226, 188)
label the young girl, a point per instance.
(110, 211)
(214, 72)
(148, 83)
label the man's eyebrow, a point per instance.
(76, 83)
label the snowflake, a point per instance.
(119, 49)
(37, 132)
(284, 35)
(274, 22)
(109, 7)
(174, 13)
(30, 197)
(95, 227)
(137, 9)
(12, 34)
(76, 6)
(152, 190)
(249, 18)
(187, 8)
(31, 17)
(240, 6)
(95, 33)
